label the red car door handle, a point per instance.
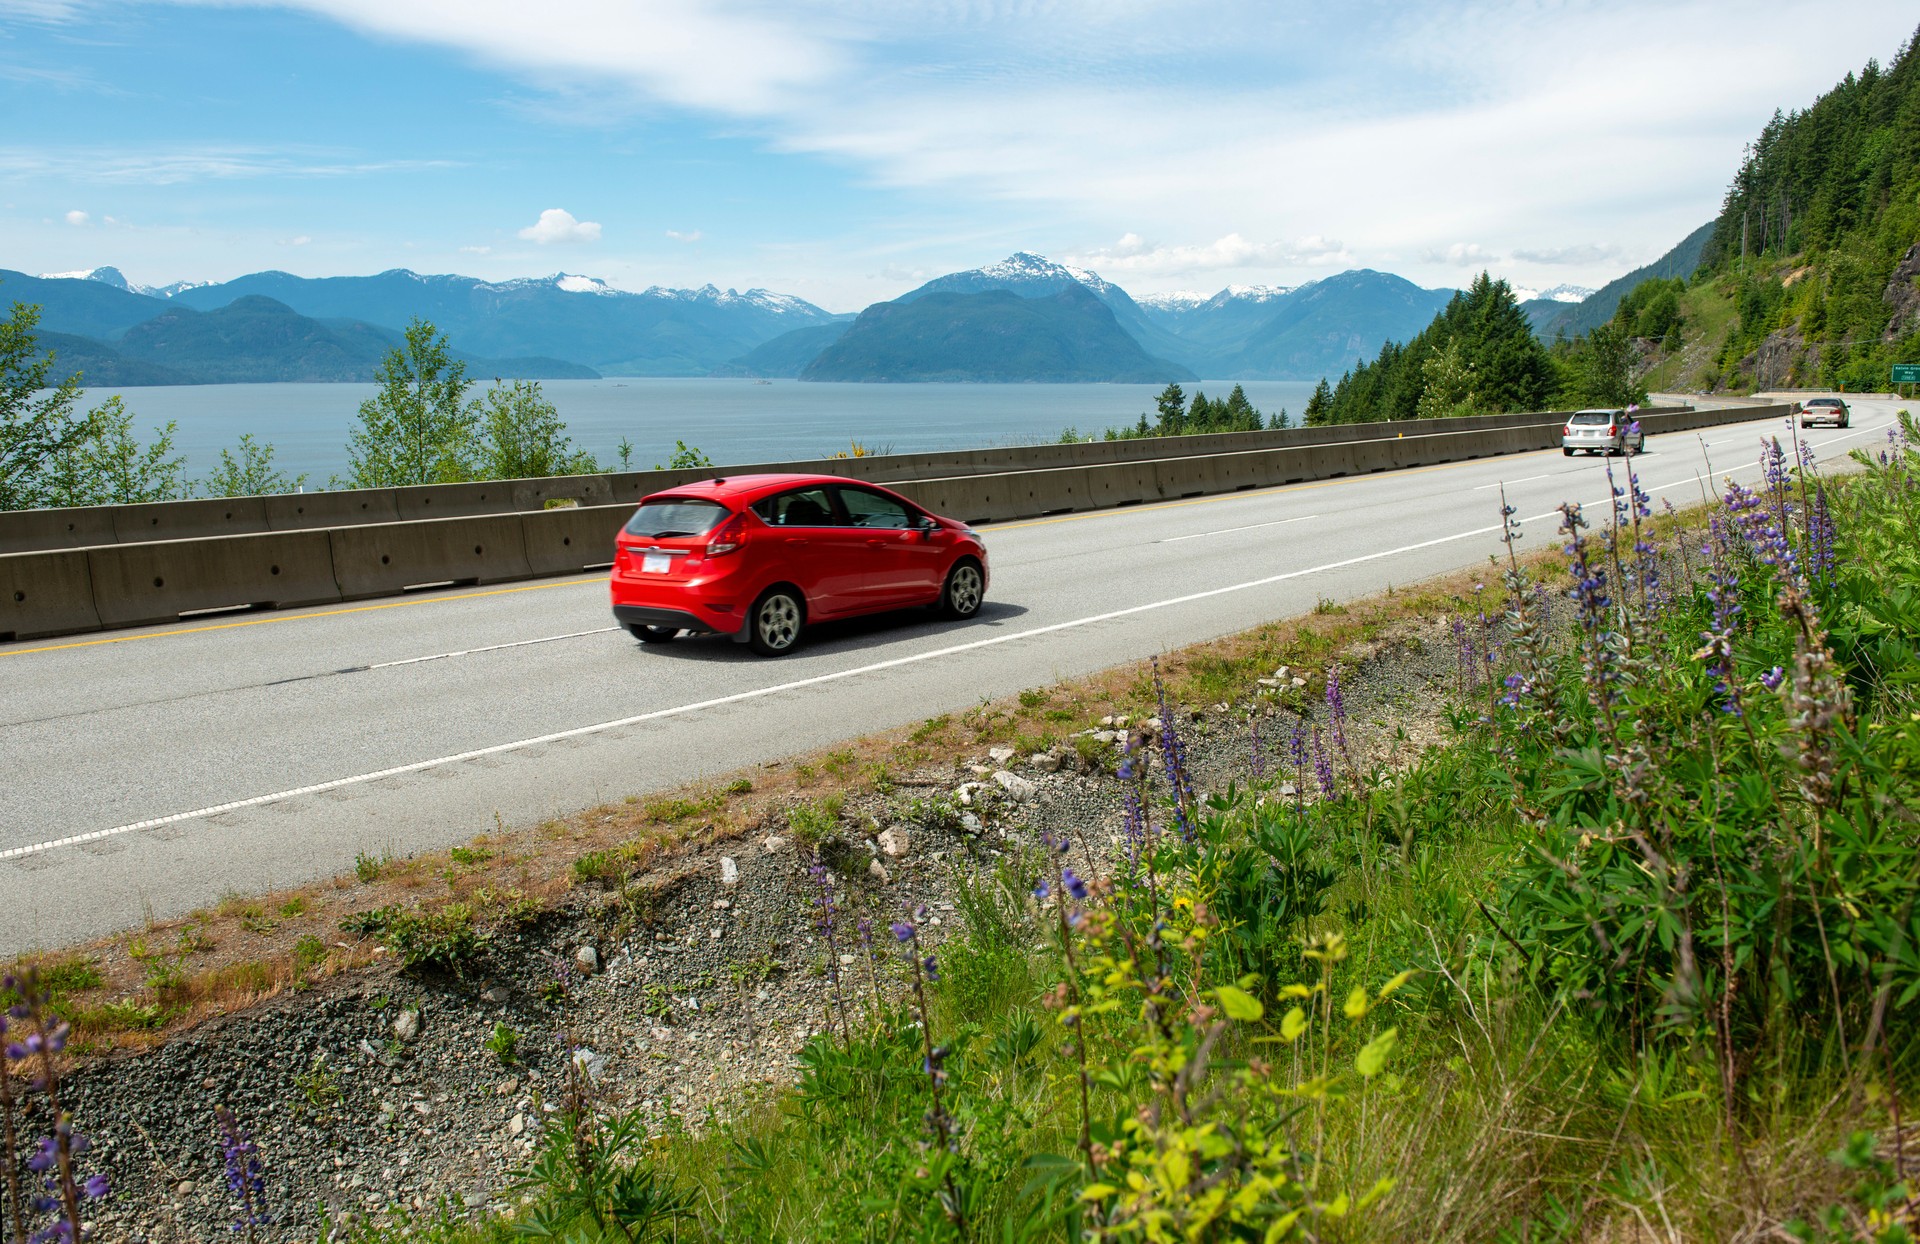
(876, 544)
(795, 540)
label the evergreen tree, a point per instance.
(1239, 414)
(1171, 405)
(1320, 405)
(419, 429)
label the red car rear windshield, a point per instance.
(676, 516)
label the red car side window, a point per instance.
(800, 507)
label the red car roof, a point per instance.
(739, 488)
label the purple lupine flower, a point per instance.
(1076, 887)
(1134, 829)
(1174, 752)
(245, 1178)
(1772, 678)
(933, 968)
(1042, 890)
(1323, 767)
(902, 931)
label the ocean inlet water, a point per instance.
(731, 421)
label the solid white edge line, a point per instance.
(468, 652)
(1227, 531)
(759, 692)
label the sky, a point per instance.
(847, 150)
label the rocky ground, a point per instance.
(687, 990)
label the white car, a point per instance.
(1598, 431)
(1825, 410)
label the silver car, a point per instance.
(1597, 431)
(1825, 410)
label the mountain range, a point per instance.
(1023, 318)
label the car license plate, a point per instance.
(656, 563)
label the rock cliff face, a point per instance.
(1903, 295)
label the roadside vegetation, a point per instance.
(423, 427)
(1630, 953)
(1174, 414)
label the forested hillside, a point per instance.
(1478, 356)
(1818, 241)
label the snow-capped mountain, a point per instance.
(1178, 300)
(1036, 276)
(115, 278)
(1559, 293)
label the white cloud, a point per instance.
(1400, 128)
(1463, 255)
(735, 57)
(146, 166)
(1584, 253)
(678, 236)
(301, 240)
(1134, 253)
(476, 250)
(77, 217)
(558, 225)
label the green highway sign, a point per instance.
(1906, 373)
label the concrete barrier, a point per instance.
(26, 531)
(46, 593)
(304, 511)
(1186, 477)
(1121, 483)
(571, 540)
(121, 584)
(188, 520)
(585, 491)
(76, 527)
(1331, 462)
(389, 558)
(137, 584)
(453, 500)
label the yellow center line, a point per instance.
(302, 617)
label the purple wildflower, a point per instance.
(245, 1179)
(902, 931)
(1323, 767)
(1772, 679)
(1074, 885)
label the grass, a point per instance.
(1497, 1070)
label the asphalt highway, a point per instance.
(148, 772)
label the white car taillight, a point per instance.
(728, 537)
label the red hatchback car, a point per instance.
(760, 557)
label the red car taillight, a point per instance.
(1612, 431)
(1567, 431)
(728, 537)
